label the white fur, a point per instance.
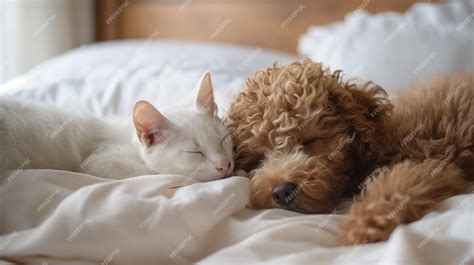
(39, 136)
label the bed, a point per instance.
(59, 217)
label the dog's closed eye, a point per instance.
(309, 141)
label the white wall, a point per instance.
(32, 31)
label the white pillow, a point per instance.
(108, 78)
(395, 50)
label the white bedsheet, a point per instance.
(63, 217)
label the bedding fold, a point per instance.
(63, 217)
(141, 219)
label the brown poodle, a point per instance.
(308, 139)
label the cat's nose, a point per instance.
(224, 167)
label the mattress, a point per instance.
(61, 217)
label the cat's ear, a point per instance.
(149, 123)
(205, 96)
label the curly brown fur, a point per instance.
(301, 124)
(400, 194)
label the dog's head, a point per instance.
(300, 131)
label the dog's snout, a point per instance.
(284, 193)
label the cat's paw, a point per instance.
(240, 173)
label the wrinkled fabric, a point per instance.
(63, 217)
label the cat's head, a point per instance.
(188, 140)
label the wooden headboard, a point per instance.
(274, 24)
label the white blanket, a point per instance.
(62, 217)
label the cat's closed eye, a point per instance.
(195, 152)
(313, 140)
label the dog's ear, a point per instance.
(367, 109)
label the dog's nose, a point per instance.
(284, 193)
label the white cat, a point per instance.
(188, 139)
